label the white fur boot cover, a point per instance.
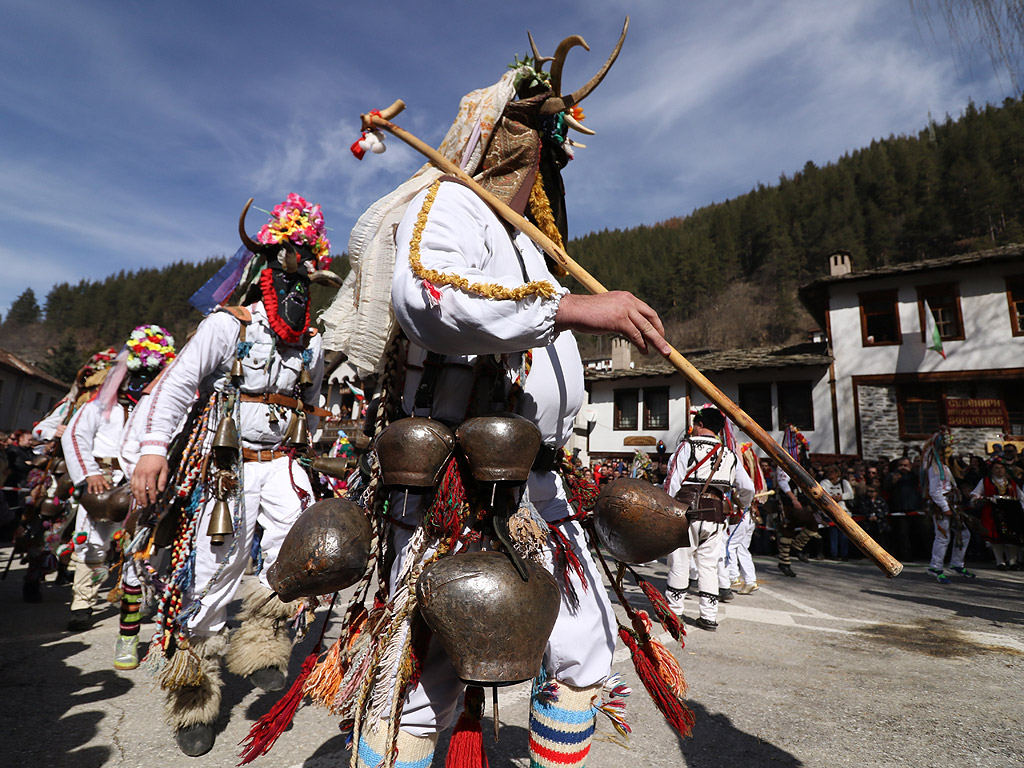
(262, 640)
(199, 704)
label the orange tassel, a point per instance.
(466, 748)
(323, 682)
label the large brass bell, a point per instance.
(413, 452)
(638, 522)
(493, 625)
(226, 437)
(220, 523)
(237, 372)
(333, 466)
(326, 550)
(499, 448)
(298, 430)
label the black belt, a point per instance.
(547, 459)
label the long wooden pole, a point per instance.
(886, 562)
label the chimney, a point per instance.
(839, 263)
(621, 354)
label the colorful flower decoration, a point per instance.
(299, 222)
(150, 348)
(98, 362)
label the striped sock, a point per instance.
(561, 725)
(131, 610)
(413, 751)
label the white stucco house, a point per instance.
(872, 388)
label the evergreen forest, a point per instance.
(723, 276)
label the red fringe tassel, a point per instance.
(665, 615)
(268, 728)
(671, 706)
(466, 748)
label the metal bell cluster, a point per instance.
(225, 448)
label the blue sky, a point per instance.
(132, 132)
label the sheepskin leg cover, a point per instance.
(262, 640)
(199, 704)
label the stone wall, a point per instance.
(880, 427)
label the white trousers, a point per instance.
(706, 542)
(579, 650)
(944, 533)
(738, 561)
(99, 536)
(270, 500)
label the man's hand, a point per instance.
(796, 503)
(96, 484)
(613, 312)
(149, 479)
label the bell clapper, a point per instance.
(494, 716)
(405, 502)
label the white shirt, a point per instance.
(46, 429)
(730, 475)
(204, 365)
(463, 236)
(843, 488)
(90, 436)
(938, 487)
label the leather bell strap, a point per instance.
(288, 402)
(264, 454)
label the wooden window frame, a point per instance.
(780, 386)
(647, 413)
(887, 295)
(617, 414)
(1016, 321)
(901, 418)
(940, 289)
(758, 385)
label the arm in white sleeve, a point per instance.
(848, 494)
(743, 487)
(935, 490)
(782, 481)
(46, 429)
(212, 347)
(676, 472)
(462, 236)
(78, 440)
(979, 490)
(316, 372)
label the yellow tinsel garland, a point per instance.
(540, 208)
(541, 288)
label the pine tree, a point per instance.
(24, 310)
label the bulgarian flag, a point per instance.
(931, 331)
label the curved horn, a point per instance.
(541, 60)
(325, 277)
(247, 241)
(559, 60)
(560, 103)
(576, 125)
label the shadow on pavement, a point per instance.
(717, 742)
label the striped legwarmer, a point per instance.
(562, 725)
(413, 751)
(131, 610)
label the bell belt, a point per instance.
(294, 403)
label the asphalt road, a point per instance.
(838, 667)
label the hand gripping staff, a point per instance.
(381, 119)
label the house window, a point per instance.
(920, 410)
(795, 404)
(1013, 396)
(627, 403)
(756, 400)
(1015, 297)
(944, 302)
(37, 402)
(879, 319)
(656, 408)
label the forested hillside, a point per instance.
(956, 186)
(724, 275)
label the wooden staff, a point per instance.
(886, 562)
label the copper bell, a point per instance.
(638, 522)
(237, 372)
(304, 378)
(226, 437)
(326, 550)
(333, 466)
(220, 523)
(413, 452)
(493, 625)
(499, 448)
(298, 430)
